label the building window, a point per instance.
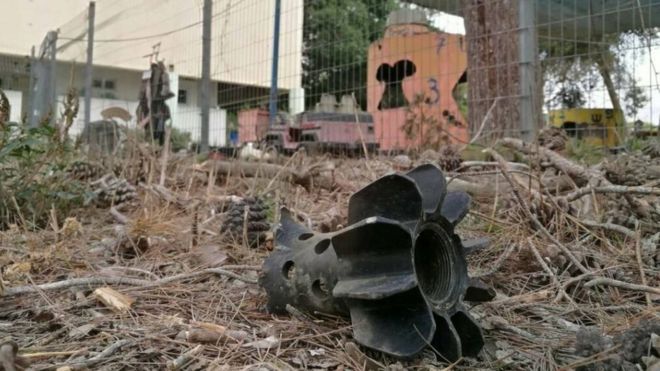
(183, 96)
(103, 84)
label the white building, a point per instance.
(127, 31)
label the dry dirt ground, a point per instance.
(184, 293)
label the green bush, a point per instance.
(584, 152)
(33, 178)
(180, 139)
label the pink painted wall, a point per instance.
(252, 125)
(440, 61)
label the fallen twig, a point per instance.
(549, 271)
(98, 281)
(640, 265)
(494, 267)
(483, 122)
(623, 285)
(183, 359)
(474, 189)
(609, 226)
(106, 353)
(576, 171)
(582, 174)
(304, 177)
(611, 189)
(513, 165)
(121, 218)
(531, 217)
(165, 156)
(359, 130)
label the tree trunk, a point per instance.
(493, 59)
(605, 68)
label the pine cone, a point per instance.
(114, 191)
(450, 158)
(553, 138)
(447, 158)
(85, 171)
(652, 148)
(256, 223)
(632, 169)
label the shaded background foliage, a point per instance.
(335, 42)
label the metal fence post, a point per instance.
(206, 74)
(30, 107)
(53, 76)
(91, 15)
(275, 64)
(527, 47)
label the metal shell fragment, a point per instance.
(398, 270)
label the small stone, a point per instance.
(402, 162)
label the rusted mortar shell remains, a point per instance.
(398, 270)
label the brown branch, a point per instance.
(623, 285)
(474, 189)
(576, 171)
(549, 271)
(611, 189)
(183, 359)
(106, 353)
(121, 218)
(582, 174)
(609, 226)
(513, 165)
(304, 177)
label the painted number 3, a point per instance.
(435, 97)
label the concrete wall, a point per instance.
(127, 82)
(189, 119)
(186, 118)
(16, 102)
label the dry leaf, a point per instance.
(17, 271)
(267, 343)
(71, 228)
(317, 352)
(81, 330)
(210, 256)
(209, 326)
(113, 299)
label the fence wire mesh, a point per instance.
(372, 75)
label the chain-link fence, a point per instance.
(363, 76)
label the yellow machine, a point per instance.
(596, 126)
